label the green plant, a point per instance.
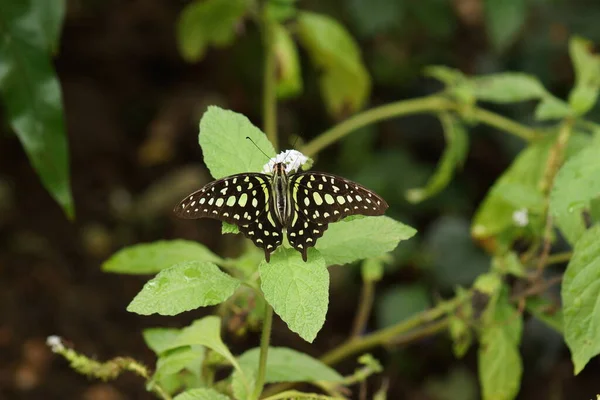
(551, 187)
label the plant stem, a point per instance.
(430, 104)
(269, 83)
(264, 350)
(364, 307)
(559, 258)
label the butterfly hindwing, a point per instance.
(325, 198)
(237, 199)
(265, 232)
(302, 233)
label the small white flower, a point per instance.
(292, 159)
(521, 217)
(55, 343)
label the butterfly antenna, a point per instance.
(259, 149)
(293, 147)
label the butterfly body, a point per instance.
(263, 206)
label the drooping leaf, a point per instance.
(289, 75)
(225, 147)
(552, 108)
(184, 287)
(150, 258)
(345, 82)
(584, 94)
(349, 241)
(298, 291)
(580, 299)
(457, 143)
(500, 364)
(207, 23)
(576, 185)
(503, 21)
(176, 360)
(201, 394)
(31, 92)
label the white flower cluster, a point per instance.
(521, 217)
(292, 159)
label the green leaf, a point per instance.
(587, 75)
(546, 311)
(576, 185)
(461, 334)
(176, 360)
(229, 228)
(208, 22)
(51, 16)
(375, 16)
(288, 365)
(399, 302)
(348, 241)
(160, 339)
(457, 143)
(508, 87)
(449, 76)
(201, 394)
(298, 291)
(206, 332)
(150, 258)
(184, 287)
(31, 92)
(580, 299)
(509, 263)
(500, 364)
(280, 10)
(552, 108)
(289, 75)
(225, 147)
(296, 395)
(345, 82)
(504, 20)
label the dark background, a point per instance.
(132, 106)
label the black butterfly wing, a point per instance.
(320, 199)
(325, 198)
(244, 200)
(237, 199)
(303, 233)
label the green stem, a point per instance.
(264, 350)
(559, 258)
(364, 308)
(430, 104)
(269, 83)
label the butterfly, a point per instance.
(263, 205)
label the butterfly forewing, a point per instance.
(237, 199)
(324, 198)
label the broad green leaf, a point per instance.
(546, 311)
(579, 294)
(206, 332)
(500, 364)
(576, 185)
(503, 21)
(51, 14)
(150, 258)
(375, 16)
(31, 92)
(399, 302)
(508, 87)
(449, 76)
(348, 241)
(176, 360)
(289, 75)
(298, 291)
(587, 75)
(201, 394)
(280, 10)
(229, 228)
(207, 23)
(345, 82)
(184, 287)
(552, 108)
(160, 339)
(225, 147)
(457, 143)
(287, 365)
